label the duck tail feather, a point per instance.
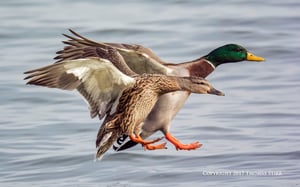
(105, 140)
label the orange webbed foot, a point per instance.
(154, 147)
(180, 146)
(146, 143)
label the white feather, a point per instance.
(79, 71)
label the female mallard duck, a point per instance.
(125, 100)
(142, 60)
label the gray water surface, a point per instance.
(250, 137)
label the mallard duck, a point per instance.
(143, 60)
(125, 101)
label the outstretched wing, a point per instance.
(140, 59)
(97, 80)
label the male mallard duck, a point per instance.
(125, 100)
(142, 60)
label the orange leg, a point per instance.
(179, 145)
(146, 144)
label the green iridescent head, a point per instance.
(231, 53)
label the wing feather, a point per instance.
(139, 58)
(97, 80)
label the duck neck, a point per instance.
(163, 83)
(200, 67)
(173, 83)
(184, 84)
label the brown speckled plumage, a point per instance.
(137, 101)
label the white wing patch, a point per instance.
(78, 72)
(96, 79)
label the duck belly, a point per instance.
(163, 112)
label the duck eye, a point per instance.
(238, 50)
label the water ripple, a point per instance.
(47, 137)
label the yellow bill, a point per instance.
(252, 57)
